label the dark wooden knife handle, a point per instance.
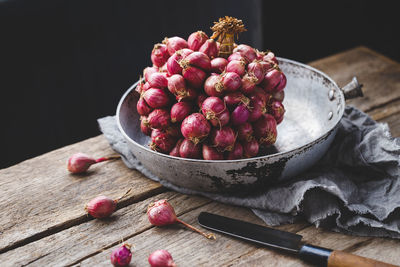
(343, 259)
(336, 258)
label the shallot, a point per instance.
(101, 207)
(161, 258)
(159, 55)
(159, 119)
(196, 40)
(223, 139)
(156, 98)
(218, 64)
(265, 130)
(210, 153)
(189, 150)
(180, 111)
(174, 44)
(80, 162)
(195, 127)
(121, 256)
(209, 48)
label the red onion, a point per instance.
(121, 256)
(237, 66)
(193, 75)
(161, 258)
(222, 119)
(174, 130)
(237, 56)
(261, 94)
(210, 153)
(164, 69)
(250, 148)
(258, 107)
(180, 111)
(176, 83)
(159, 119)
(279, 96)
(149, 71)
(161, 213)
(174, 44)
(281, 85)
(218, 64)
(236, 153)
(195, 127)
(211, 84)
(240, 114)
(175, 151)
(197, 59)
(257, 70)
(232, 99)
(173, 66)
(156, 98)
(230, 81)
(196, 40)
(277, 110)
(223, 139)
(187, 94)
(158, 80)
(142, 108)
(210, 48)
(159, 55)
(265, 130)
(267, 66)
(270, 57)
(215, 111)
(246, 51)
(162, 141)
(190, 150)
(271, 80)
(80, 162)
(249, 82)
(101, 207)
(244, 132)
(144, 125)
(200, 99)
(139, 87)
(146, 87)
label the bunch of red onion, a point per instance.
(194, 104)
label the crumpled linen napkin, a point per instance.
(354, 188)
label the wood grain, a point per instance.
(342, 259)
(39, 197)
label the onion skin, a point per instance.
(180, 111)
(237, 56)
(258, 108)
(162, 141)
(176, 83)
(237, 66)
(240, 115)
(270, 57)
(144, 126)
(200, 99)
(223, 139)
(156, 98)
(121, 256)
(277, 110)
(195, 127)
(265, 130)
(256, 69)
(175, 151)
(260, 93)
(142, 108)
(221, 119)
(173, 66)
(196, 40)
(190, 150)
(159, 55)
(279, 96)
(158, 80)
(271, 80)
(215, 111)
(246, 51)
(231, 82)
(101, 207)
(200, 60)
(250, 148)
(236, 153)
(233, 99)
(174, 44)
(80, 163)
(282, 84)
(210, 153)
(161, 258)
(249, 83)
(149, 71)
(194, 76)
(161, 213)
(159, 119)
(187, 94)
(210, 48)
(210, 86)
(218, 64)
(244, 132)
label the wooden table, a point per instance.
(43, 222)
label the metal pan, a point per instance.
(314, 106)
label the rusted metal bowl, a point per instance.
(314, 106)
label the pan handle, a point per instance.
(352, 89)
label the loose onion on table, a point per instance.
(210, 98)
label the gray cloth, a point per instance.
(354, 188)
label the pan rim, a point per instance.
(265, 157)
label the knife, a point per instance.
(285, 241)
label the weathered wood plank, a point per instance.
(379, 74)
(390, 114)
(89, 238)
(187, 248)
(39, 197)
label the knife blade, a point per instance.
(285, 241)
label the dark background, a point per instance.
(66, 63)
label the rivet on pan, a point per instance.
(338, 108)
(331, 94)
(330, 115)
